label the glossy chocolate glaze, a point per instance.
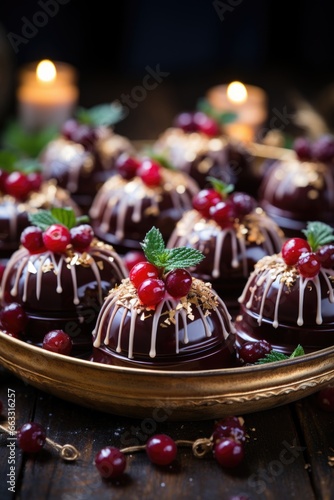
(124, 211)
(125, 336)
(294, 192)
(82, 172)
(60, 292)
(287, 315)
(230, 254)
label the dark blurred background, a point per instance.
(283, 46)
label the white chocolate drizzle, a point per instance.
(124, 299)
(195, 231)
(272, 269)
(25, 265)
(117, 196)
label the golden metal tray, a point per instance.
(142, 393)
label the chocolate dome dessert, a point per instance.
(23, 193)
(143, 194)
(301, 189)
(232, 232)
(288, 299)
(200, 151)
(60, 275)
(84, 156)
(163, 318)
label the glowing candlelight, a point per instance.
(237, 92)
(47, 94)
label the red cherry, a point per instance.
(13, 318)
(243, 203)
(185, 121)
(161, 449)
(229, 453)
(81, 236)
(308, 265)
(150, 172)
(56, 238)
(206, 124)
(3, 176)
(35, 180)
(58, 341)
(178, 282)
(293, 248)
(2, 270)
(31, 437)
(85, 135)
(17, 185)
(325, 256)
(132, 258)
(204, 200)
(151, 291)
(229, 427)
(142, 271)
(127, 166)
(223, 213)
(32, 239)
(251, 352)
(110, 462)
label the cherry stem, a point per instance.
(67, 452)
(200, 447)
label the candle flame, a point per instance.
(237, 92)
(46, 71)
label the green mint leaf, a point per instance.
(153, 245)
(28, 165)
(179, 258)
(25, 144)
(299, 351)
(220, 186)
(162, 160)
(82, 219)
(65, 216)
(7, 160)
(102, 115)
(221, 117)
(318, 234)
(42, 219)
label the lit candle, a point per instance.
(47, 94)
(249, 103)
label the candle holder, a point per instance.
(247, 102)
(46, 98)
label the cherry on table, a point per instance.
(230, 426)
(161, 449)
(31, 437)
(110, 462)
(229, 453)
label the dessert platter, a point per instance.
(221, 314)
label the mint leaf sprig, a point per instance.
(168, 259)
(278, 356)
(221, 187)
(64, 216)
(11, 162)
(102, 115)
(318, 234)
(222, 117)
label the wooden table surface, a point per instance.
(287, 454)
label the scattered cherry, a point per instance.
(17, 185)
(325, 255)
(293, 248)
(56, 238)
(151, 291)
(81, 236)
(251, 352)
(227, 427)
(325, 398)
(13, 318)
(161, 449)
(303, 148)
(150, 172)
(204, 200)
(58, 341)
(178, 282)
(31, 437)
(308, 265)
(141, 272)
(229, 453)
(132, 258)
(110, 462)
(32, 239)
(127, 166)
